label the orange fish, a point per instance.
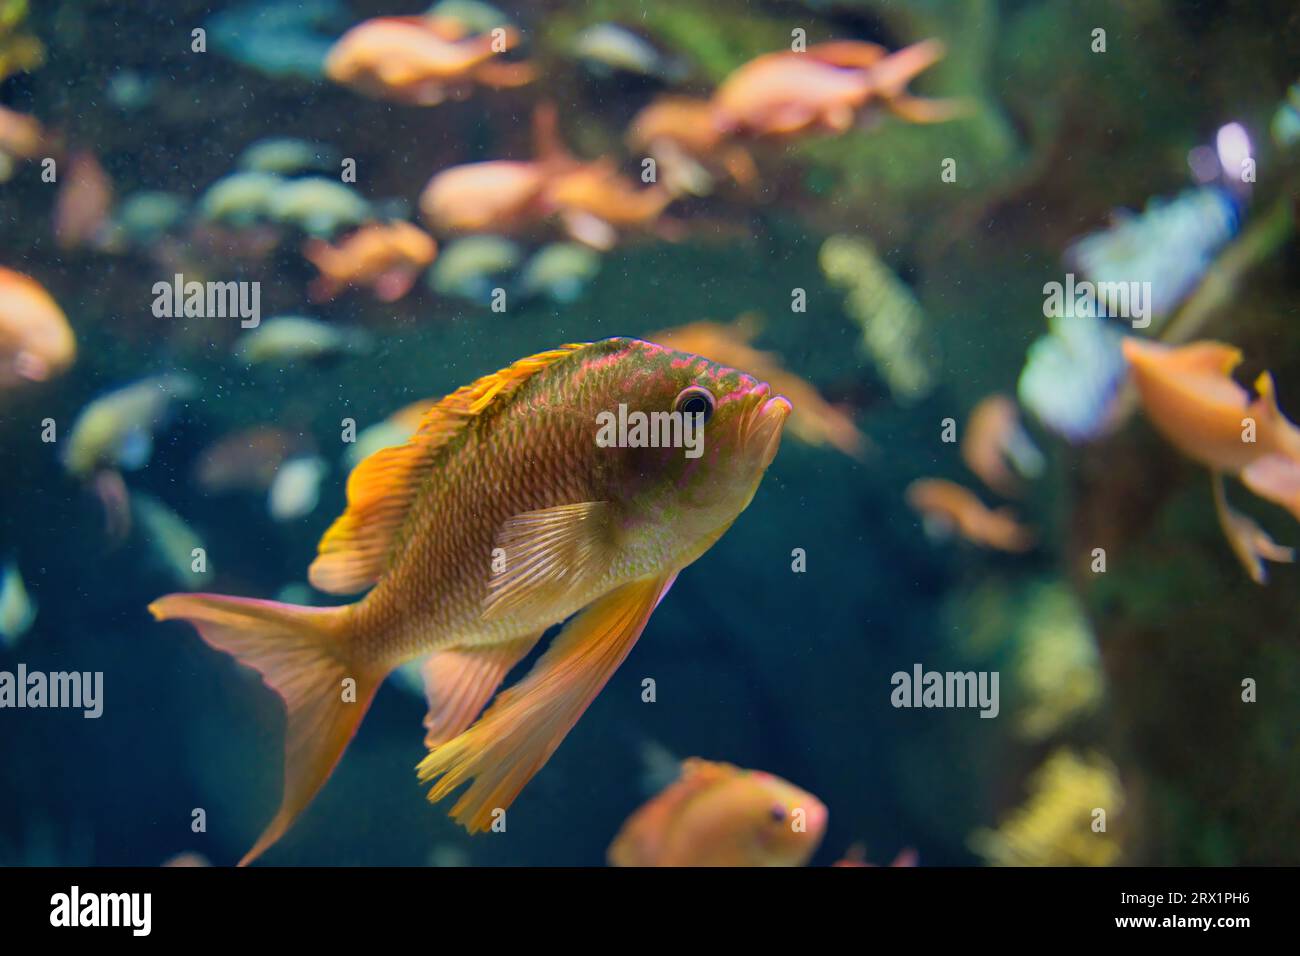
(83, 203)
(993, 437)
(946, 507)
(683, 136)
(412, 60)
(496, 196)
(591, 199)
(595, 203)
(1190, 396)
(716, 814)
(502, 195)
(824, 88)
(516, 504)
(21, 136)
(36, 342)
(246, 460)
(386, 257)
(814, 421)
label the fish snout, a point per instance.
(769, 421)
(816, 816)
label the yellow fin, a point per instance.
(458, 683)
(698, 772)
(548, 553)
(522, 728)
(356, 550)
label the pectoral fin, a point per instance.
(545, 554)
(460, 681)
(522, 728)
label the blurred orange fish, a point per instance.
(591, 199)
(993, 437)
(716, 814)
(411, 59)
(823, 89)
(947, 507)
(387, 258)
(36, 342)
(497, 196)
(246, 460)
(814, 420)
(689, 147)
(21, 136)
(595, 203)
(506, 513)
(502, 195)
(1189, 394)
(83, 204)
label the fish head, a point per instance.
(691, 441)
(782, 824)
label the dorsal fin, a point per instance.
(355, 551)
(700, 774)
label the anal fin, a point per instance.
(527, 722)
(458, 683)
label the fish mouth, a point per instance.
(763, 433)
(817, 816)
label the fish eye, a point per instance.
(777, 813)
(695, 400)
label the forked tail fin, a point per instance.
(303, 654)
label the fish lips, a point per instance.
(763, 433)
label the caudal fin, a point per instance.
(302, 653)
